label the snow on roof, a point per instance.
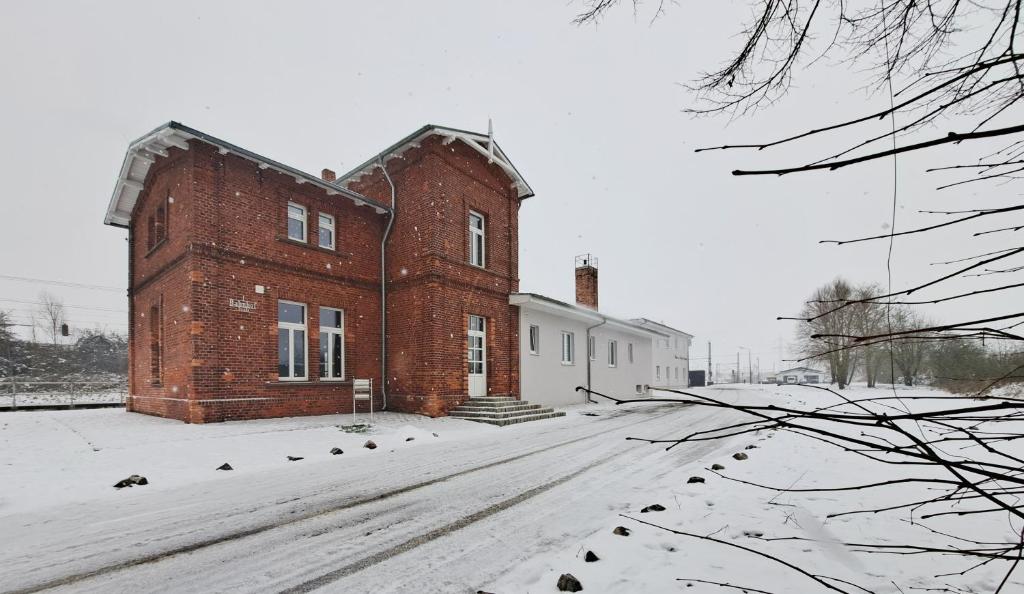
(646, 322)
(575, 311)
(143, 152)
(482, 143)
(811, 369)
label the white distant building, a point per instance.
(800, 375)
(671, 355)
(564, 345)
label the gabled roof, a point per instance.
(811, 369)
(143, 152)
(577, 312)
(482, 143)
(664, 327)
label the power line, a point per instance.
(65, 305)
(60, 283)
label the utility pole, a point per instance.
(709, 360)
(750, 369)
(737, 367)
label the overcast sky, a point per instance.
(591, 116)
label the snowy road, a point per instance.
(444, 517)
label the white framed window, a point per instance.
(534, 340)
(332, 344)
(325, 231)
(613, 353)
(476, 239)
(568, 348)
(296, 222)
(629, 352)
(677, 373)
(592, 348)
(291, 340)
(657, 372)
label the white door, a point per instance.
(477, 357)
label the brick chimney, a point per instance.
(586, 281)
(328, 175)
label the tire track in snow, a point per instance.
(366, 562)
(241, 534)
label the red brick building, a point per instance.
(257, 290)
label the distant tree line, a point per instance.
(95, 354)
(838, 318)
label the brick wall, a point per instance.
(227, 234)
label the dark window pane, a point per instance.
(323, 354)
(283, 354)
(330, 318)
(295, 229)
(291, 313)
(299, 353)
(336, 354)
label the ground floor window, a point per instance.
(156, 330)
(613, 353)
(534, 340)
(332, 344)
(568, 348)
(629, 352)
(657, 372)
(592, 348)
(291, 340)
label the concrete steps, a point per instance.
(502, 411)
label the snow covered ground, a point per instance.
(505, 510)
(31, 399)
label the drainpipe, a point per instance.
(604, 321)
(383, 295)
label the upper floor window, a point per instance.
(613, 353)
(332, 344)
(534, 340)
(296, 222)
(476, 239)
(568, 348)
(156, 230)
(156, 329)
(291, 340)
(325, 229)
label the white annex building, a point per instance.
(671, 357)
(568, 345)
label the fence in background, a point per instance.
(15, 394)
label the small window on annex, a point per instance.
(534, 340)
(568, 348)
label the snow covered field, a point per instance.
(505, 510)
(31, 399)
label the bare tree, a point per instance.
(909, 355)
(826, 336)
(50, 316)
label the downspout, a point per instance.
(383, 295)
(604, 321)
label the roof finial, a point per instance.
(490, 141)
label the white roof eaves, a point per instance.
(542, 303)
(144, 151)
(411, 141)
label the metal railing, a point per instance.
(59, 393)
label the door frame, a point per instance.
(476, 383)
